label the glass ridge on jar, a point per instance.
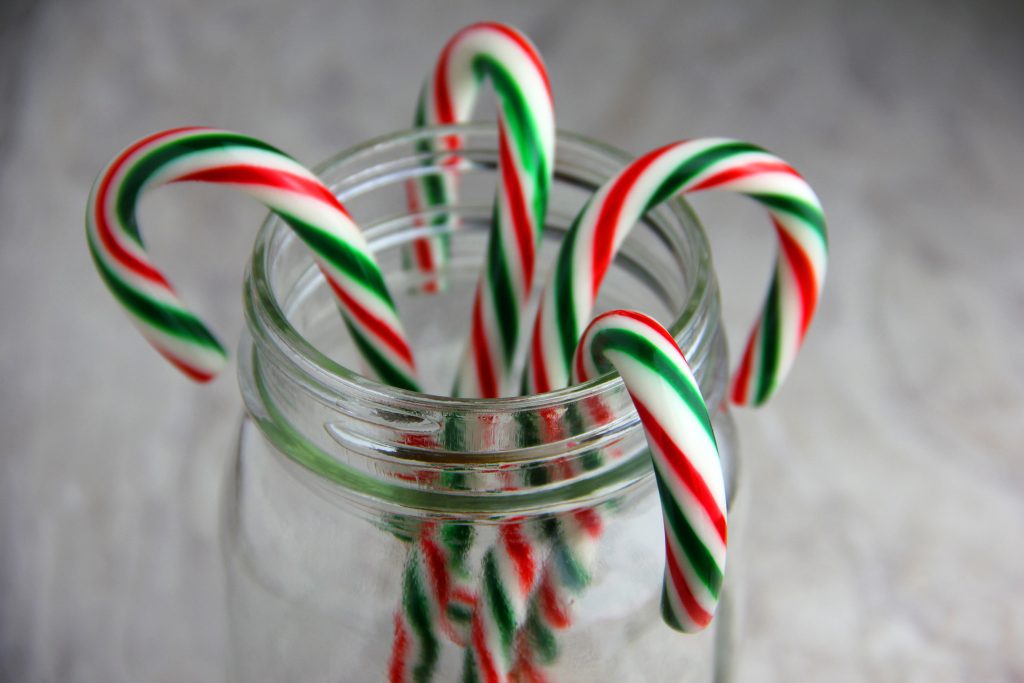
(336, 473)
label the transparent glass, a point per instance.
(339, 478)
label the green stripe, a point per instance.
(453, 434)
(386, 372)
(505, 308)
(528, 425)
(172, 321)
(565, 309)
(354, 263)
(419, 119)
(151, 163)
(457, 539)
(805, 211)
(518, 115)
(498, 603)
(644, 351)
(768, 368)
(668, 612)
(542, 638)
(434, 192)
(414, 602)
(700, 558)
(536, 475)
(432, 185)
(693, 166)
(572, 574)
(459, 613)
(469, 672)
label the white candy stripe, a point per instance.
(199, 357)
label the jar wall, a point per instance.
(337, 476)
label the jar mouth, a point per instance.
(297, 356)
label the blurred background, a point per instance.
(885, 540)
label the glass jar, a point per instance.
(341, 480)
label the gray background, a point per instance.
(886, 540)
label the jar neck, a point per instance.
(568, 447)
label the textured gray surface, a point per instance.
(885, 543)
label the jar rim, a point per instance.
(269, 322)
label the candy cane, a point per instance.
(690, 484)
(526, 146)
(567, 573)
(432, 598)
(682, 167)
(511, 568)
(683, 449)
(283, 185)
(509, 573)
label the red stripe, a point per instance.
(463, 596)
(540, 370)
(247, 174)
(552, 425)
(399, 652)
(525, 671)
(731, 174)
(609, 219)
(377, 327)
(803, 271)
(421, 251)
(412, 199)
(599, 411)
(581, 366)
(517, 207)
(590, 521)
(521, 554)
(697, 613)
(554, 613)
(112, 244)
(741, 380)
(682, 468)
(481, 353)
(191, 371)
(444, 110)
(438, 568)
(483, 655)
(424, 255)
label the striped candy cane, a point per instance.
(567, 573)
(509, 573)
(433, 600)
(684, 451)
(526, 143)
(283, 185)
(511, 568)
(682, 167)
(690, 484)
